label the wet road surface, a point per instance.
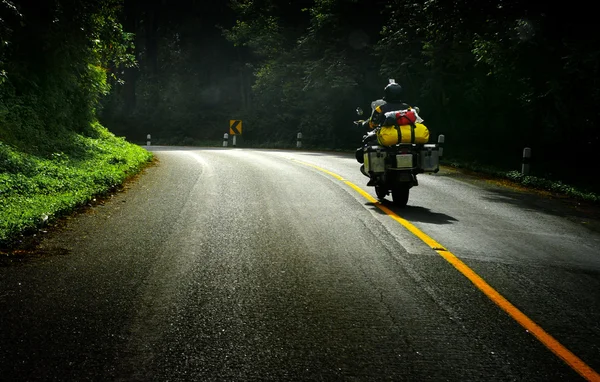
(235, 264)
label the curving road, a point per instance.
(236, 264)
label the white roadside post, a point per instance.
(148, 138)
(234, 140)
(225, 139)
(525, 167)
(441, 140)
(299, 140)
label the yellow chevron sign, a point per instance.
(235, 127)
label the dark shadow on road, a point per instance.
(28, 253)
(423, 215)
(500, 191)
(415, 213)
(584, 213)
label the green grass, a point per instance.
(37, 187)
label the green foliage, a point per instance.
(512, 73)
(54, 63)
(553, 186)
(492, 76)
(281, 67)
(186, 87)
(312, 83)
(36, 189)
(57, 59)
(261, 34)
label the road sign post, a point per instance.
(235, 129)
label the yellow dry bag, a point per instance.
(391, 135)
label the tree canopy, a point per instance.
(494, 76)
(56, 60)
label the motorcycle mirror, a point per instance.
(359, 111)
(417, 109)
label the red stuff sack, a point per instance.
(400, 117)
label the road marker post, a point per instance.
(299, 140)
(441, 140)
(148, 139)
(235, 129)
(225, 139)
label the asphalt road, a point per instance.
(236, 264)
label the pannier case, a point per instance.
(429, 158)
(375, 159)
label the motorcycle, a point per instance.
(394, 169)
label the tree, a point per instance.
(309, 74)
(56, 64)
(505, 72)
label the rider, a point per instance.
(392, 100)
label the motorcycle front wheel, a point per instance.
(400, 195)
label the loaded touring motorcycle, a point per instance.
(394, 153)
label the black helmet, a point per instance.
(392, 93)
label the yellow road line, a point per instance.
(550, 342)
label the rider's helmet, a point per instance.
(392, 92)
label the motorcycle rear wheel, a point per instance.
(400, 195)
(381, 192)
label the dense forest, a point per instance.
(494, 76)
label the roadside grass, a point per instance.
(36, 188)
